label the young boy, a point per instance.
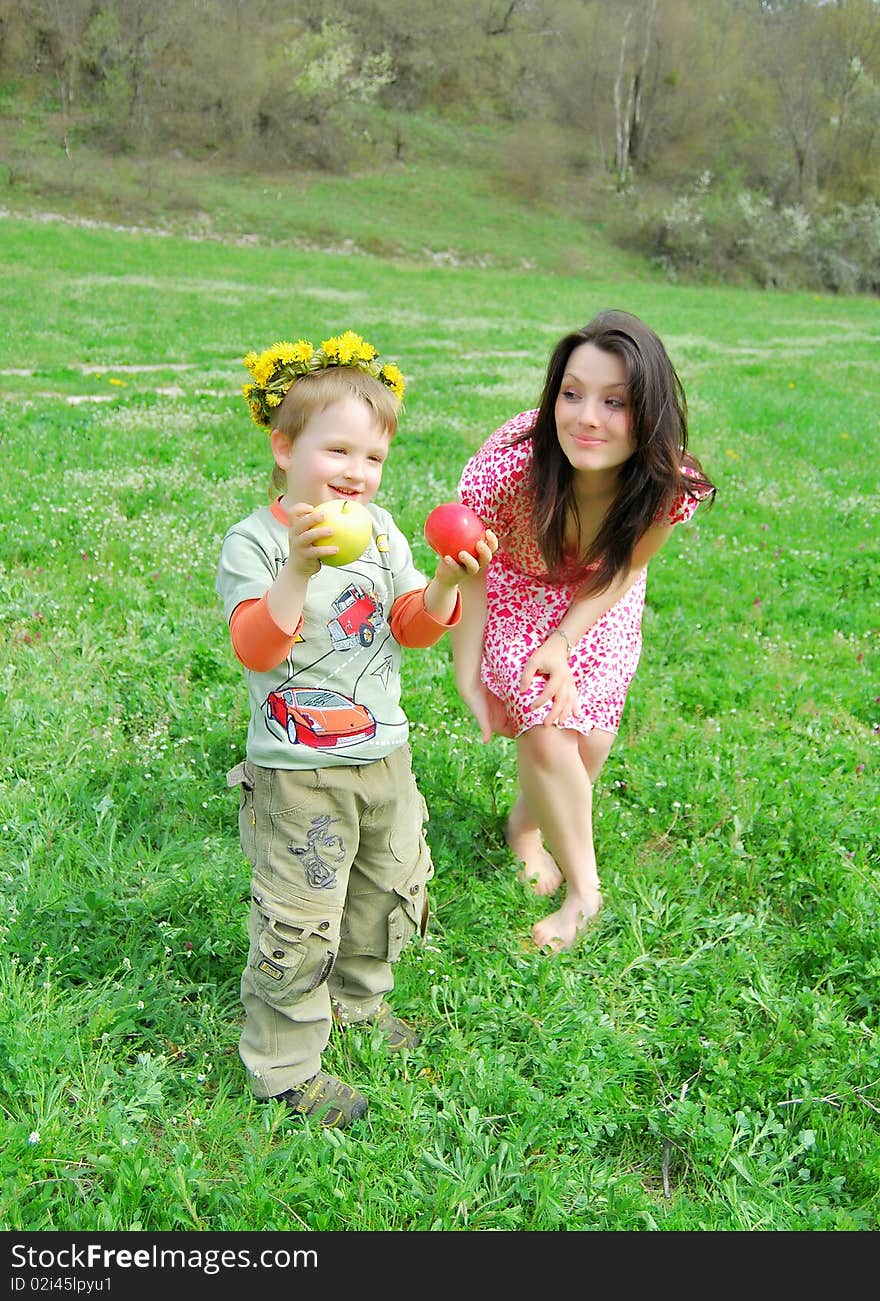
(330, 817)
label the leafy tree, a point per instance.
(57, 29)
(775, 97)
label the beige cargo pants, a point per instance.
(340, 867)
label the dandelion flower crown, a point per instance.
(281, 365)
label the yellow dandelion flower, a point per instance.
(360, 349)
(348, 349)
(290, 354)
(393, 377)
(302, 351)
(264, 367)
(279, 366)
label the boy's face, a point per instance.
(338, 455)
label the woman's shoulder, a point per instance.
(696, 485)
(513, 433)
(688, 497)
(509, 447)
(495, 475)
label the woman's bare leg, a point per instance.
(523, 835)
(555, 766)
(594, 750)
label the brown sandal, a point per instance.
(397, 1034)
(326, 1099)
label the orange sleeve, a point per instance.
(256, 638)
(413, 626)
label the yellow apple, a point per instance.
(352, 530)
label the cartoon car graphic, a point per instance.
(358, 616)
(317, 717)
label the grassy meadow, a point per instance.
(708, 1057)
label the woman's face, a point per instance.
(593, 413)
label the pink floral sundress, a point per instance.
(525, 605)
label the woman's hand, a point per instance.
(551, 662)
(488, 710)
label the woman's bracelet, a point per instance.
(564, 636)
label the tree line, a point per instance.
(777, 99)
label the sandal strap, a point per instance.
(327, 1100)
(397, 1032)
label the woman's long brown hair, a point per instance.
(651, 478)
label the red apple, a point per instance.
(452, 527)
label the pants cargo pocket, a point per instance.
(287, 962)
(242, 777)
(407, 832)
(411, 911)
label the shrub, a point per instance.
(710, 234)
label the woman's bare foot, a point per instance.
(559, 930)
(539, 870)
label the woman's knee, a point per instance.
(594, 750)
(546, 746)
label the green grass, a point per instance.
(708, 1058)
(454, 199)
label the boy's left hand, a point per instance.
(452, 570)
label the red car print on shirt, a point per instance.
(358, 617)
(317, 717)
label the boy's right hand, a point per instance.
(307, 528)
